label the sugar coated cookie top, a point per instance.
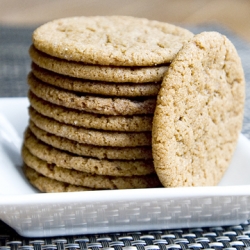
(199, 113)
(111, 40)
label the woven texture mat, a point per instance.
(230, 238)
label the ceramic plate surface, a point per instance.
(34, 214)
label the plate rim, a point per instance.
(179, 192)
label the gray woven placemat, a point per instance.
(235, 237)
(15, 62)
(243, 49)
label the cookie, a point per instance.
(199, 113)
(89, 120)
(111, 40)
(79, 178)
(86, 164)
(90, 136)
(92, 104)
(48, 185)
(96, 87)
(115, 153)
(97, 72)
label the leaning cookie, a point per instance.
(199, 113)
(48, 185)
(79, 178)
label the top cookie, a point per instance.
(111, 40)
(199, 113)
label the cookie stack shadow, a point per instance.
(89, 134)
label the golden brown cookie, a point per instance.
(99, 152)
(79, 178)
(86, 164)
(89, 120)
(90, 136)
(96, 87)
(98, 72)
(199, 113)
(48, 185)
(92, 104)
(111, 40)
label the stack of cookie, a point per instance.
(93, 89)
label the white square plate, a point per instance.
(34, 214)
